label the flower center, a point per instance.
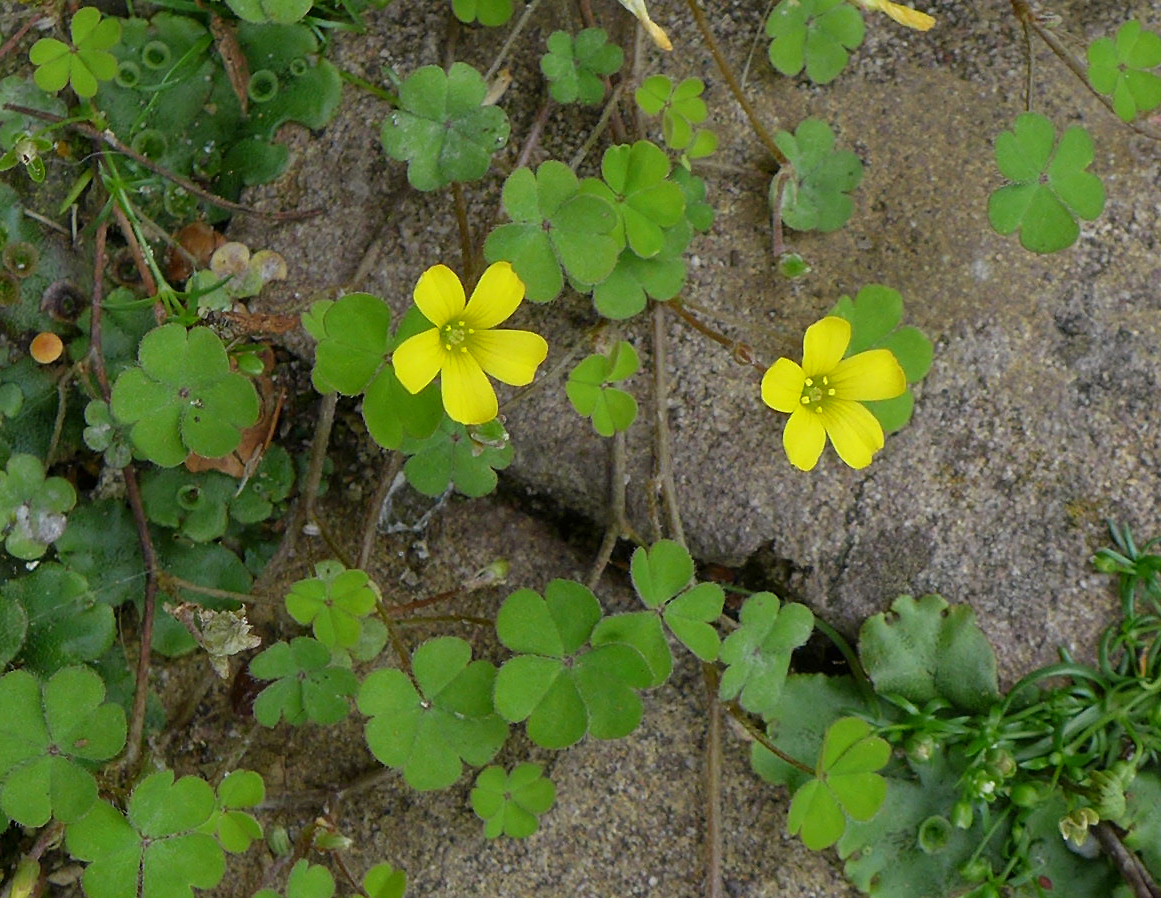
(815, 390)
(455, 334)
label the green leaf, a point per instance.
(455, 455)
(66, 623)
(554, 227)
(636, 184)
(156, 851)
(644, 632)
(660, 572)
(442, 129)
(576, 67)
(845, 784)
(813, 33)
(758, 652)
(1117, 68)
(681, 108)
(393, 414)
(384, 881)
(690, 617)
(13, 629)
(32, 507)
(510, 803)
(610, 409)
(487, 12)
(353, 343)
(333, 602)
(85, 65)
(427, 732)
(184, 398)
(563, 692)
(1051, 189)
(305, 686)
(47, 728)
(927, 649)
(814, 198)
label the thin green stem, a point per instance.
(760, 737)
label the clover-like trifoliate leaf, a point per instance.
(758, 652)
(1118, 68)
(486, 12)
(926, 649)
(845, 784)
(333, 603)
(1051, 188)
(183, 397)
(813, 33)
(441, 129)
(575, 67)
(636, 182)
(66, 623)
(32, 507)
(235, 828)
(384, 881)
(45, 730)
(306, 686)
(554, 226)
(681, 108)
(104, 435)
(815, 196)
(634, 280)
(354, 339)
(464, 457)
(306, 880)
(510, 803)
(156, 851)
(270, 484)
(87, 62)
(195, 505)
(661, 571)
(874, 315)
(644, 631)
(561, 691)
(430, 732)
(588, 389)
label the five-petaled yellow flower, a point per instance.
(823, 395)
(463, 345)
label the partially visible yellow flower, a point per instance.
(464, 346)
(823, 395)
(655, 31)
(904, 15)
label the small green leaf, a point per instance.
(1050, 190)
(814, 197)
(636, 184)
(384, 881)
(510, 804)
(589, 392)
(1117, 68)
(813, 33)
(305, 686)
(353, 344)
(459, 456)
(333, 602)
(486, 12)
(442, 129)
(758, 652)
(66, 623)
(576, 67)
(927, 649)
(660, 572)
(32, 507)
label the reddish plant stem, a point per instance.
(465, 235)
(616, 123)
(133, 491)
(741, 351)
(732, 80)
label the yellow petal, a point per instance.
(874, 374)
(655, 31)
(417, 360)
(854, 431)
(804, 438)
(439, 295)
(511, 357)
(904, 15)
(823, 345)
(468, 397)
(782, 386)
(496, 297)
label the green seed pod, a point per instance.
(128, 74)
(934, 834)
(21, 258)
(976, 870)
(156, 55)
(1025, 795)
(263, 86)
(962, 814)
(278, 841)
(249, 363)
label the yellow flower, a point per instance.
(904, 15)
(464, 346)
(823, 395)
